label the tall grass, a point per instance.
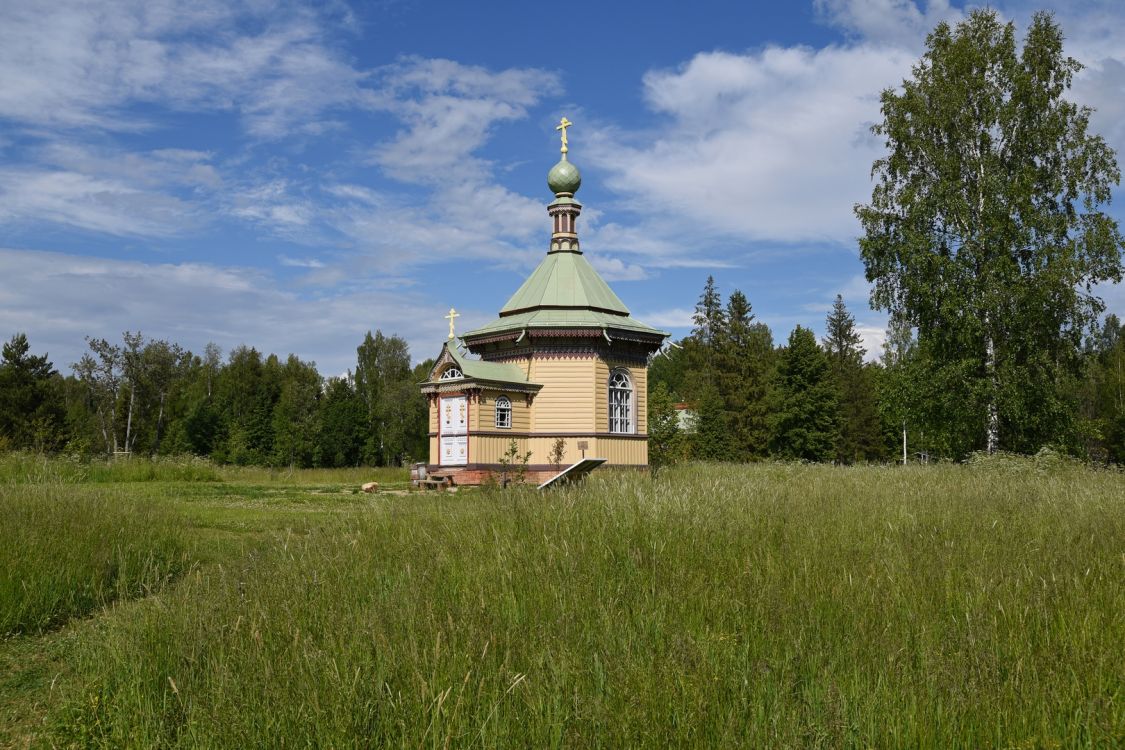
(767, 606)
(35, 468)
(384, 475)
(68, 550)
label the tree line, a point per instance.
(153, 397)
(726, 392)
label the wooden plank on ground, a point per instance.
(573, 473)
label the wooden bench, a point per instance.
(436, 482)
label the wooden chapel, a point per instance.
(563, 365)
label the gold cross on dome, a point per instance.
(563, 125)
(452, 315)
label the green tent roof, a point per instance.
(564, 279)
(564, 291)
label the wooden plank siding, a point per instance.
(566, 401)
(487, 449)
(620, 451)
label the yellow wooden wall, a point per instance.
(640, 385)
(487, 449)
(484, 414)
(620, 451)
(566, 401)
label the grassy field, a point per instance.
(768, 605)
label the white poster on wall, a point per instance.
(454, 415)
(454, 450)
(454, 431)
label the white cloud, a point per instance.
(147, 169)
(285, 260)
(900, 22)
(769, 145)
(193, 303)
(615, 269)
(675, 317)
(79, 64)
(32, 195)
(871, 339)
(273, 205)
(449, 110)
(667, 246)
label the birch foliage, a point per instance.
(985, 230)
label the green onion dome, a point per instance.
(564, 178)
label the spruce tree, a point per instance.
(711, 439)
(861, 434)
(743, 364)
(708, 319)
(341, 424)
(31, 406)
(806, 416)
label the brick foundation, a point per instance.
(473, 476)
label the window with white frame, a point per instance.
(451, 374)
(503, 412)
(620, 402)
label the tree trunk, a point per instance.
(105, 432)
(129, 420)
(159, 426)
(992, 428)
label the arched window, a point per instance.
(503, 412)
(451, 374)
(620, 402)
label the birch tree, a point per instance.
(100, 370)
(985, 230)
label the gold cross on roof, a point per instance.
(563, 125)
(452, 315)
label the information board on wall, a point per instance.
(454, 431)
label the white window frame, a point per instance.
(622, 403)
(503, 407)
(452, 373)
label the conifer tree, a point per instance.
(743, 363)
(861, 434)
(341, 424)
(806, 416)
(31, 406)
(711, 438)
(709, 319)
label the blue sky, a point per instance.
(289, 176)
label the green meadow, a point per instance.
(181, 604)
